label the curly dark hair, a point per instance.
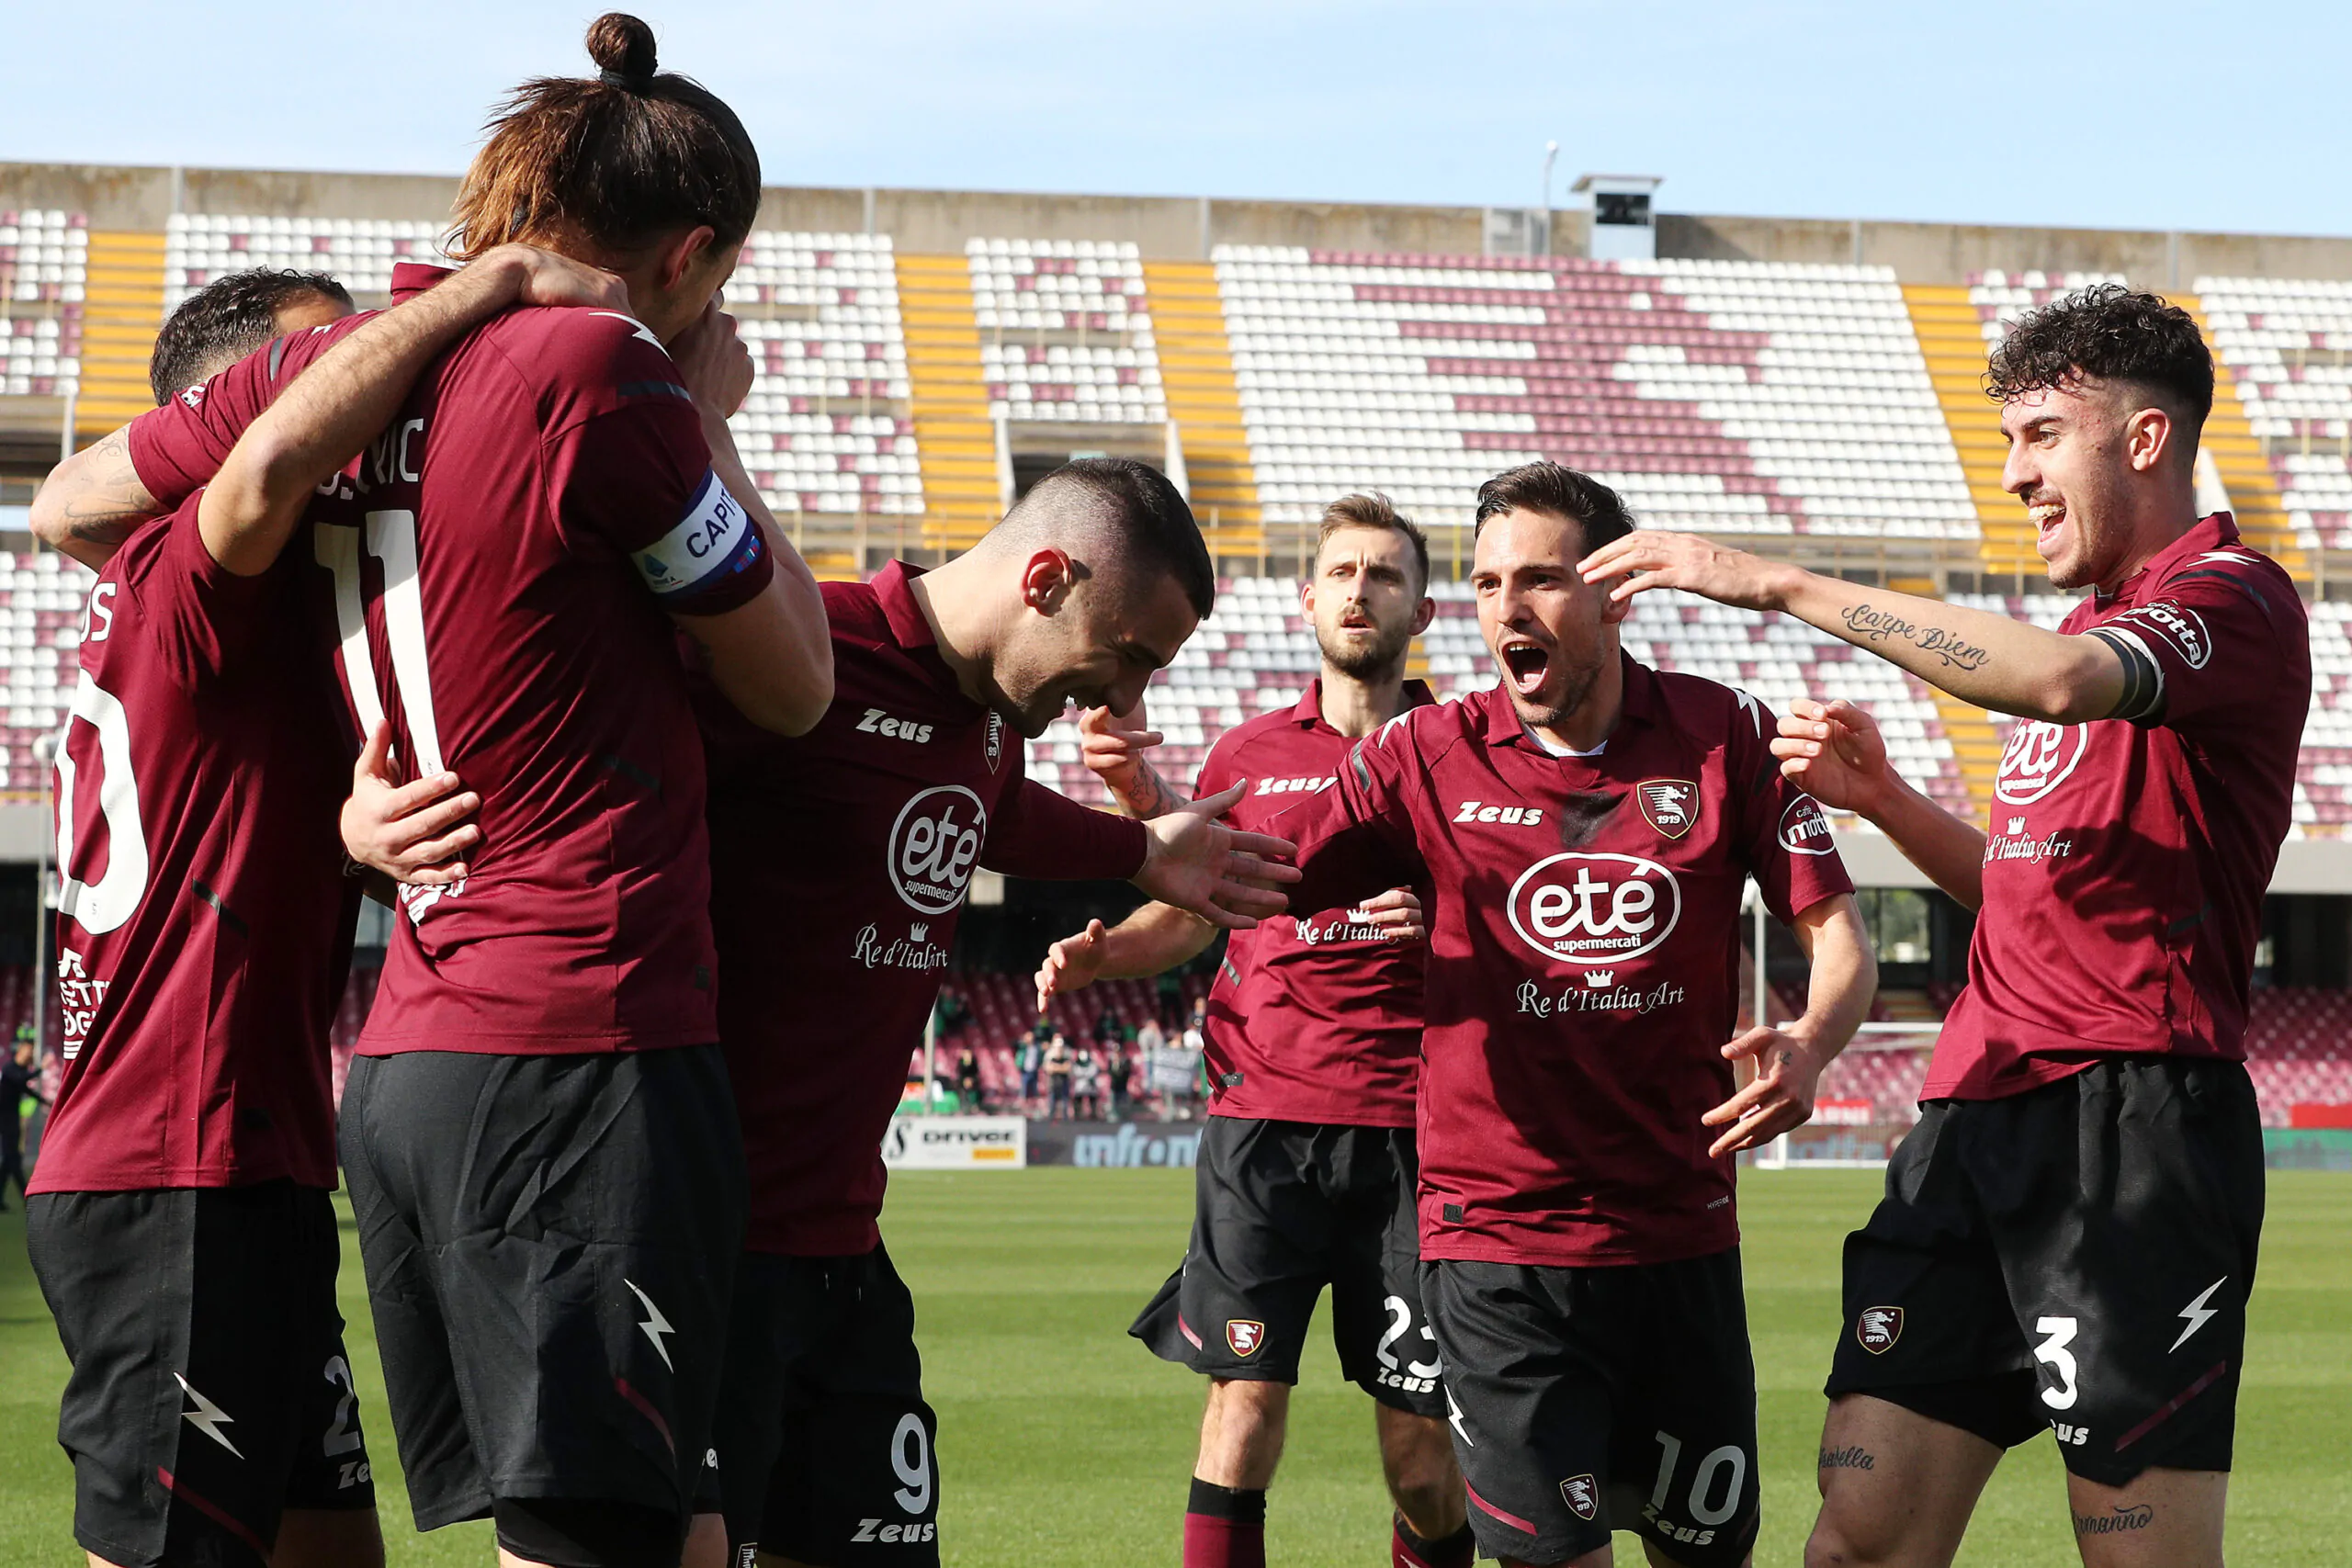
(1561, 491)
(2106, 333)
(226, 320)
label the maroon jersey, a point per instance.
(500, 563)
(1314, 1017)
(2128, 858)
(840, 863)
(204, 922)
(1582, 978)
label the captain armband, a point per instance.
(713, 560)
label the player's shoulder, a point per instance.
(571, 348)
(1262, 733)
(2233, 568)
(1428, 732)
(1708, 710)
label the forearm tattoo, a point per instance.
(1872, 625)
(111, 502)
(1147, 794)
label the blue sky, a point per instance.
(2151, 115)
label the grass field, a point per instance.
(1062, 1441)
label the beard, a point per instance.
(1382, 657)
(1576, 685)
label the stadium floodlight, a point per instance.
(1551, 152)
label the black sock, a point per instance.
(1214, 1502)
(1455, 1550)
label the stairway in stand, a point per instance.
(955, 437)
(1196, 374)
(122, 311)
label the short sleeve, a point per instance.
(204, 620)
(1784, 833)
(637, 476)
(178, 447)
(2188, 653)
(1216, 770)
(1357, 838)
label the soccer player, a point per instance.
(2068, 1236)
(521, 539)
(182, 1231)
(1306, 1168)
(1584, 832)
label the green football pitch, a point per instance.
(1062, 1441)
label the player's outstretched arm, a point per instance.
(92, 502)
(1977, 657)
(1112, 747)
(1789, 1062)
(772, 656)
(1158, 937)
(1834, 752)
(343, 400)
(1224, 875)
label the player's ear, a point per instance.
(1045, 581)
(1613, 611)
(1424, 615)
(682, 253)
(2147, 436)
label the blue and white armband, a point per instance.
(713, 560)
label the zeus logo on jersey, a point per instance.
(877, 722)
(1515, 816)
(1594, 908)
(934, 846)
(2038, 757)
(1294, 786)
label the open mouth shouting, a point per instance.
(1525, 664)
(2049, 516)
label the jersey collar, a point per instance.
(1641, 707)
(2214, 533)
(909, 628)
(413, 278)
(1308, 711)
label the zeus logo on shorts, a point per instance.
(934, 846)
(1590, 909)
(2038, 757)
(713, 542)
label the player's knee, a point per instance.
(576, 1532)
(1841, 1542)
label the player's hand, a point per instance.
(1835, 753)
(715, 366)
(1780, 1097)
(1072, 965)
(529, 275)
(1225, 876)
(1111, 745)
(414, 833)
(1396, 915)
(1658, 558)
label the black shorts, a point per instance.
(2078, 1257)
(1282, 1210)
(549, 1243)
(210, 1391)
(824, 1438)
(1587, 1400)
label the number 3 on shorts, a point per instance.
(2057, 1333)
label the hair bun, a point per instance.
(622, 46)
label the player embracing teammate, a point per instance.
(2069, 1234)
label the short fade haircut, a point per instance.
(1562, 492)
(226, 320)
(1376, 511)
(2106, 333)
(1135, 503)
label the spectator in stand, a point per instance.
(1058, 1068)
(1150, 1038)
(1032, 1061)
(968, 1080)
(1086, 1085)
(1171, 986)
(15, 1082)
(951, 1013)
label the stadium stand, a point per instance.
(2283, 342)
(360, 252)
(1728, 397)
(1065, 331)
(828, 429)
(41, 616)
(44, 274)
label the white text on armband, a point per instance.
(715, 540)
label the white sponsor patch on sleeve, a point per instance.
(712, 542)
(2176, 623)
